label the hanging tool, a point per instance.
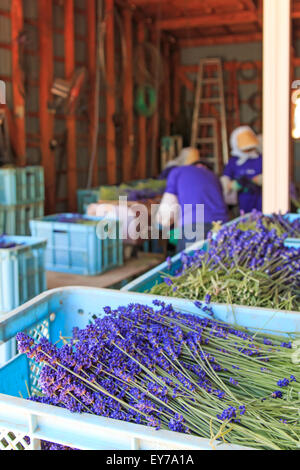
(67, 92)
(210, 112)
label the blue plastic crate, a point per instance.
(21, 185)
(156, 275)
(55, 313)
(75, 248)
(22, 271)
(17, 217)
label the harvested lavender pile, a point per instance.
(171, 370)
(278, 222)
(244, 267)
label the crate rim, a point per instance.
(39, 420)
(32, 242)
(47, 295)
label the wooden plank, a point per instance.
(91, 17)
(70, 120)
(46, 119)
(131, 269)
(217, 40)
(17, 23)
(128, 132)
(111, 156)
(227, 19)
(142, 122)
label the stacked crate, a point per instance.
(22, 197)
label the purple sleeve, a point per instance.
(172, 182)
(230, 169)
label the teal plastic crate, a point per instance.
(91, 196)
(21, 185)
(55, 313)
(22, 271)
(2, 226)
(17, 217)
(75, 248)
(86, 197)
(156, 275)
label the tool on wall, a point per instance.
(67, 92)
(209, 128)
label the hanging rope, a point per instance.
(144, 53)
(118, 88)
(146, 100)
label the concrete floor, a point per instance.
(132, 268)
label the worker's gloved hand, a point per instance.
(258, 179)
(236, 186)
(248, 186)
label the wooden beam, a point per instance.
(46, 119)
(217, 40)
(128, 131)
(243, 17)
(277, 102)
(142, 122)
(17, 23)
(111, 156)
(71, 120)
(91, 17)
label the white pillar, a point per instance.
(276, 108)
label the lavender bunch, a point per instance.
(172, 370)
(278, 222)
(242, 266)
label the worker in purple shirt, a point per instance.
(243, 173)
(190, 186)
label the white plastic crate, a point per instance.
(58, 311)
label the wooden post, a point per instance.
(69, 38)
(277, 99)
(176, 83)
(46, 118)
(142, 122)
(111, 157)
(155, 167)
(128, 132)
(91, 16)
(167, 88)
(17, 22)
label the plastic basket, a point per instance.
(86, 197)
(75, 247)
(22, 271)
(17, 218)
(57, 312)
(156, 275)
(21, 185)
